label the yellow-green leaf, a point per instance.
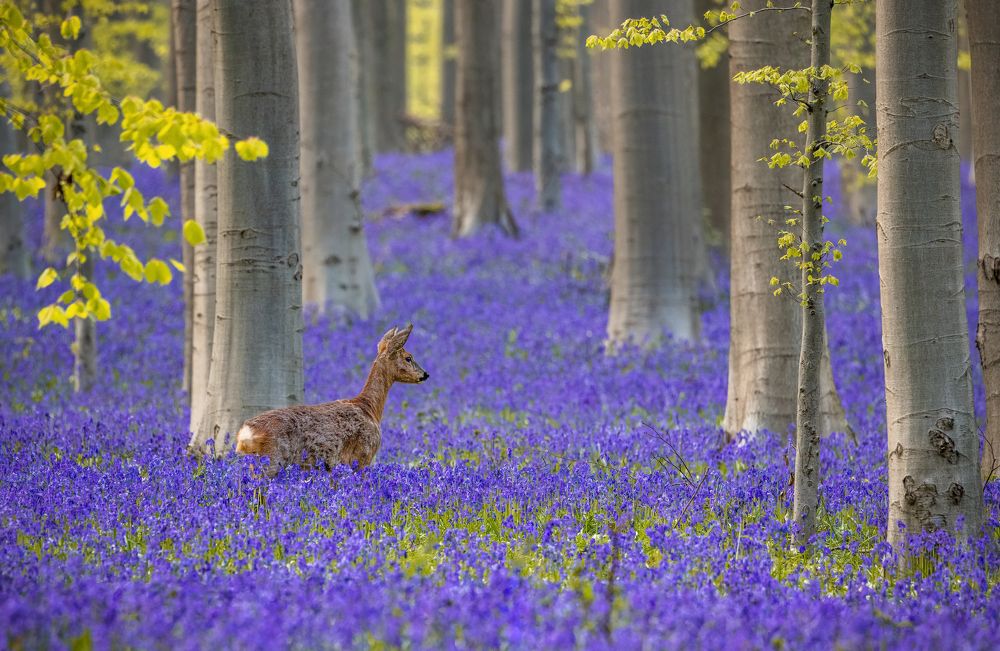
(251, 149)
(70, 28)
(47, 278)
(193, 232)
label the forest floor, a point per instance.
(534, 493)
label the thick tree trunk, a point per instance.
(585, 158)
(546, 152)
(765, 332)
(808, 418)
(517, 77)
(479, 190)
(389, 73)
(984, 38)
(361, 14)
(206, 214)
(14, 258)
(338, 270)
(655, 157)
(448, 63)
(184, 26)
(933, 441)
(257, 350)
(714, 141)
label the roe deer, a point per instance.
(343, 431)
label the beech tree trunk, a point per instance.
(808, 418)
(933, 441)
(389, 73)
(257, 349)
(448, 63)
(517, 77)
(361, 14)
(183, 27)
(85, 343)
(714, 140)
(765, 331)
(984, 40)
(338, 270)
(602, 23)
(14, 258)
(206, 214)
(479, 189)
(657, 195)
(585, 159)
(547, 154)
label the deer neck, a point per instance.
(373, 395)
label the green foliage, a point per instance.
(153, 133)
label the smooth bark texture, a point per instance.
(517, 79)
(338, 270)
(389, 73)
(85, 344)
(183, 27)
(808, 419)
(714, 140)
(14, 257)
(206, 214)
(984, 41)
(448, 63)
(257, 350)
(479, 190)
(546, 152)
(765, 335)
(602, 22)
(362, 16)
(657, 195)
(933, 442)
(585, 131)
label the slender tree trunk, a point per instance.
(85, 345)
(338, 270)
(546, 154)
(479, 190)
(602, 23)
(933, 442)
(361, 13)
(808, 419)
(655, 126)
(184, 26)
(715, 131)
(583, 99)
(389, 73)
(448, 63)
(257, 350)
(984, 38)
(14, 258)
(206, 214)
(765, 335)
(517, 76)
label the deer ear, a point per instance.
(383, 343)
(399, 338)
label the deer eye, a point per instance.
(409, 359)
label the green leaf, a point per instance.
(157, 271)
(47, 278)
(158, 209)
(193, 232)
(70, 28)
(251, 149)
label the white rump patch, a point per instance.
(246, 434)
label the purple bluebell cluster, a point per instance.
(535, 493)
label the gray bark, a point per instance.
(361, 13)
(183, 29)
(585, 130)
(389, 73)
(714, 140)
(257, 349)
(808, 418)
(338, 270)
(85, 344)
(656, 194)
(546, 152)
(14, 258)
(517, 78)
(602, 23)
(984, 37)
(765, 331)
(933, 442)
(479, 189)
(448, 63)
(206, 214)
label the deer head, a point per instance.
(397, 362)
